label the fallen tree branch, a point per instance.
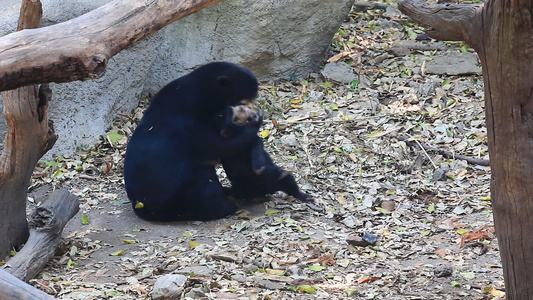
(46, 225)
(79, 49)
(445, 22)
(447, 154)
(13, 288)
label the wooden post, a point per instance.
(501, 32)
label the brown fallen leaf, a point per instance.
(441, 253)
(367, 279)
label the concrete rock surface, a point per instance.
(274, 38)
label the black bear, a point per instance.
(166, 173)
(250, 169)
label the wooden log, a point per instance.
(46, 225)
(79, 49)
(13, 288)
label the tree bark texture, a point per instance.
(13, 288)
(501, 32)
(79, 49)
(46, 225)
(28, 138)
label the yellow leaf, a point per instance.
(462, 231)
(193, 244)
(275, 272)
(139, 205)
(495, 292)
(129, 241)
(341, 198)
(264, 133)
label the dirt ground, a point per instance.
(399, 221)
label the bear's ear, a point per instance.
(223, 80)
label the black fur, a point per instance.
(250, 169)
(165, 170)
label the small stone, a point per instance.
(357, 241)
(443, 272)
(370, 238)
(196, 270)
(350, 221)
(196, 293)
(289, 140)
(169, 287)
(250, 269)
(440, 175)
(225, 256)
(379, 59)
(339, 72)
(315, 96)
(267, 284)
(388, 205)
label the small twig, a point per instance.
(427, 155)
(304, 146)
(386, 132)
(126, 116)
(447, 154)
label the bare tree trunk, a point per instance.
(28, 138)
(501, 32)
(80, 48)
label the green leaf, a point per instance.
(456, 284)
(468, 275)
(354, 84)
(306, 288)
(464, 48)
(350, 292)
(445, 82)
(316, 268)
(73, 250)
(431, 208)
(51, 163)
(71, 264)
(271, 212)
(328, 84)
(118, 253)
(130, 241)
(425, 233)
(115, 137)
(84, 220)
(112, 293)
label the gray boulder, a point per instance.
(275, 39)
(454, 63)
